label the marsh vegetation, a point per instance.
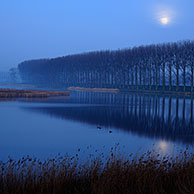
(115, 174)
(16, 93)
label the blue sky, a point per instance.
(31, 29)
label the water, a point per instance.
(90, 121)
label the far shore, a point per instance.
(28, 90)
(17, 93)
(94, 89)
(124, 90)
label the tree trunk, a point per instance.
(132, 78)
(150, 78)
(184, 78)
(192, 77)
(170, 77)
(156, 77)
(140, 76)
(128, 78)
(124, 78)
(177, 78)
(144, 79)
(163, 76)
(112, 77)
(136, 80)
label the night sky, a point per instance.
(31, 29)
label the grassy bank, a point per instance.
(141, 90)
(150, 173)
(157, 92)
(15, 93)
(111, 90)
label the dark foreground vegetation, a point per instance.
(150, 173)
(161, 67)
(14, 93)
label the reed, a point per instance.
(149, 173)
(14, 93)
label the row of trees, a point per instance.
(167, 66)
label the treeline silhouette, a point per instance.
(168, 66)
(152, 116)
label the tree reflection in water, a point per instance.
(162, 117)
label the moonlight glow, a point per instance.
(164, 20)
(163, 145)
(164, 15)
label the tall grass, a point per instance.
(149, 173)
(18, 93)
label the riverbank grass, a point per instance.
(16, 93)
(149, 173)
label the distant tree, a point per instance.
(164, 66)
(13, 75)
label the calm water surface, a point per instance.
(90, 121)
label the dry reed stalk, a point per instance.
(149, 173)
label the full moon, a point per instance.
(164, 20)
(164, 15)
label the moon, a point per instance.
(164, 20)
(164, 14)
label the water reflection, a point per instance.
(160, 117)
(163, 146)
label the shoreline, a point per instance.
(159, 92)
(111, 90)
(20, 93)
(43, 93)
(116, 90)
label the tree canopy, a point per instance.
(166, 66)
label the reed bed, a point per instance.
(111, 90)
(14, 93)
(149, 173)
